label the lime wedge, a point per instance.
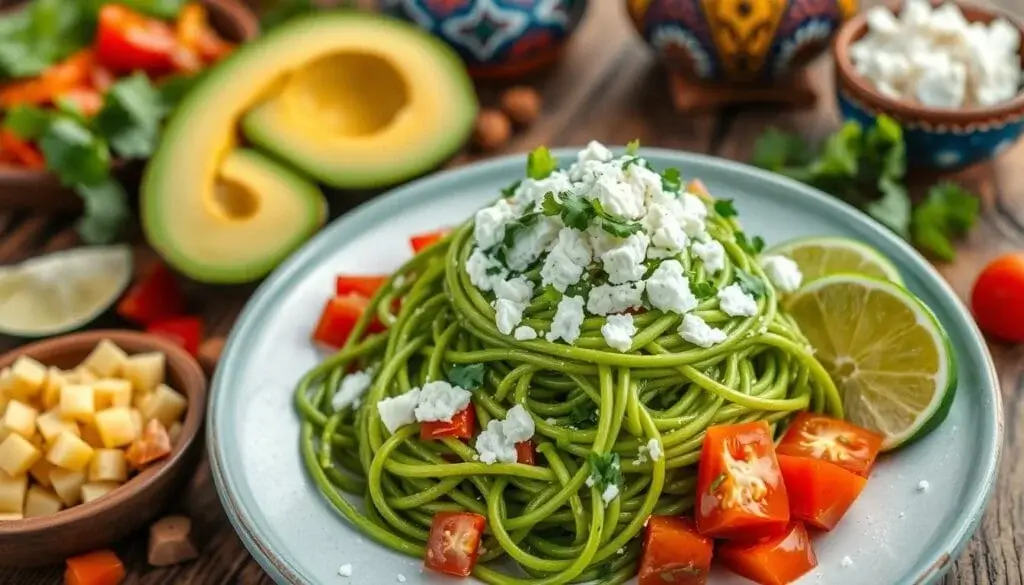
(819, 257)
(885, 350)
(62, 291)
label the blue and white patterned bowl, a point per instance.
(496, 38)
(935, 138)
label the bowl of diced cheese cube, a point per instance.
(950, 74)
(98, 430)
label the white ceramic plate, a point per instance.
(894, 534)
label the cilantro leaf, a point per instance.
(633, 160)
(27, 122)
(751, 284)
(633, 147)
(510, 190)
(467, 376)
(671, 180)
(893, 209)
(550, 205)
(74, 154)
(752, 246)
(605, 469)
(575, 211)
(130, 118)
(613, 224)
(725, 208)
(840, 155)
(106, 211)
(583, 416)
(540, 163)
(776, 149)
(703, 289)
(948, 211)
(42, 33)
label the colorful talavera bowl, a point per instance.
(497, 38)
(739, 41)
(935, 138)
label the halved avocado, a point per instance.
(368, 101)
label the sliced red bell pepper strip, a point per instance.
(461, 426)
(184, 331)
(127, 41)
(154, 297)
(421, 241)
(339, 318)
(525, 452)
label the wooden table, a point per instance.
(610, 88)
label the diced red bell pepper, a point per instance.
(525, 452)
(101, 567)
(339, 318)
(19, 152)
(421, 241)
(156, 296)
(460, 427)
(184, 331)
(366, 286)
(127, 41)
(775, 560)
(819, 492)
(674, 552)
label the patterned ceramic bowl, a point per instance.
(935, 138)
(738, 41)
(497, 38)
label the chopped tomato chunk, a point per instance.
(184, 331)
(153, 445)
(339, 319)
(674, 552)
(820, 493)
(454, 542)
(421, 241)
(127, 41)
(154, 297)
(19, 152)
(461, 426)
(101, 567)
(776, 560)
(86, 100)
(740, 493)
(525, 452)
(71, 73)
(364, 285)
(832, 440)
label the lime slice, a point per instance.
(62, 291)
(891, 360)
(818, 257)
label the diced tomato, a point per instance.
(197, 36)
(454, 542)
(127, 41)
(153, 445)
(69, 74)
(154, 297)
(421, 241)
(86, 100)
(184, 331)
(363, 285)
(697, 187)
(775, 560)
(819, 492)
(525, 452)
(674, 552)
(19, 152)
(212, 48)
(460, 427)
(339, 318)
(832, 440)
(740, 493)
(101, 567)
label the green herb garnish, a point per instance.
(467, 376)
(605, 469)
(633, 147)
(725, 208)
(751, 284)
(510, 190)
(702, 290)
(540, 163)
(578, 212)
(753, 246)
(671, 180)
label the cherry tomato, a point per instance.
(674, 552)
(186, 331)
(740, 493)
(339, 319)
(364, 285)
(776, 560)
(832, 440)
(460, 427)
(101, 567)
(155, 296)
(127, 41)
(998, 298)
(820, 492)
(454, 542)
(421, 241)
(525, 452)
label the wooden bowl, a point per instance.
(42, 191)
(935, 138)
(86, 527)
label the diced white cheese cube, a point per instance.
(711, 253)
(698, 332)
(492, 446)
(507, 315)
(531, 243)
(882, 22)
(948, 21)
(1004, 36)
(567, 260)
(610, 493)
(618, 331)
(440, 401)
(568, 318)
(942, 88)
(399, 411)
(531, 191)
(783, 272)
(736, 302)
(625, 262)
(668, 290)
(595, 151)
(666, 231)
(607, 299)
(916, 13)
(645, 182)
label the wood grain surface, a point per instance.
(609, 88)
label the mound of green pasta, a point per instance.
(589, 403)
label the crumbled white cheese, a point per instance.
(567, 321)
(625, 262)
(923, 485)
(524, 333)
(694, 205)
(507, 314)
(736, 302)
(644, 181)
(531, 243)
(617, 197)
(517, 290)
(483, 270)
(711, 253)
(353, 386)
(610, 493)
(618, 331)
(667, 235)
(566, 262)
(518, 424)
(846, 562)
(440, 401)
(595, 151)
(669, 290)
(531, 191)
(654, 449)
(345, 570)
(497, 443)
(606, 299)
(783, 272)
(399, 411)
(698, 332)
(489, 224)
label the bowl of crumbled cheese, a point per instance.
(950, 74)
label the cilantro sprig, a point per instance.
(866, 168)
(467, 376)
(605, 470)
(750, 283)
(540, 163)
(578, 213)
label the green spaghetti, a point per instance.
(592, 405)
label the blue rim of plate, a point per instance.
(283, 572)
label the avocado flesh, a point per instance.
(380, 103)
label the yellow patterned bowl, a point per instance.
(739, 41)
